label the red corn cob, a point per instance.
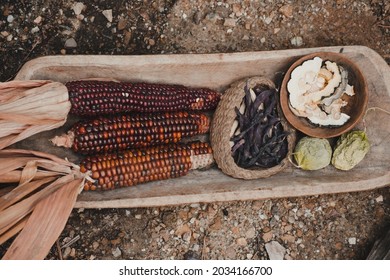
(131, 167)
(114, 133)
(91, 97)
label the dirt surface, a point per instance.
(339, 226)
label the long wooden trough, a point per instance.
(218, 71)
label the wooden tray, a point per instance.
(218, 71)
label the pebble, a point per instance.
(229, 22)
(95, 245)
(38, 20)
(66, 252)
(10, 37)
(72, 253)
(338, 246)
(288, 238)
(296, 41)
(138, 216)
(35, 29)
(78, 8)
(122, 24)
(4, 33)
(251, 233)
(379, 199)
(286, 10)
(268, 20)
(70, 43)
(268, 236)
(10, 18)
(275, 250)
(241, 241)
(108, 15)
(352, 241)
(116, 252)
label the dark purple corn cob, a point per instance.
(114, 133)
(91, 97)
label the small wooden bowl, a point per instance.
(223, 119)
(356, 107)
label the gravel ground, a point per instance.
(339, 226)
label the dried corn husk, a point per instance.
(45, 191)
(30, 107)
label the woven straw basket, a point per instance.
(223, 119)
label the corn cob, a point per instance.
(91, 97)
(131, 167)
(115, 133)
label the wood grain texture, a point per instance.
(218, 71)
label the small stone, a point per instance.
(4, 33)
(122, 24)
(138, 216)
(217, 225)
(241, 241)
(108, 15)
(276, 30)
(196, 247)
(229, 31)
(288, 238)
(116, 252)
(38, 20)
(338, 246)
(230, 253)
(181, 230)
(70, 43)
(379, 199)
(288, 228)
(35, 29)
(10, 18)
(95, 245)
(229, 22)
(63, 51)
(248, 27)
(187, 236)
(296, 41)
(268, 236)
(275, 250)
(235, 230)
(352, 241)
(249, 256)
(251, 233)
(78, 8)
(286, 10)
(151, 42)
(262, 40)
(236, 7)
(268, 20)
(10, 37)
(245, 38)
(66, 252)
(72, 253)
